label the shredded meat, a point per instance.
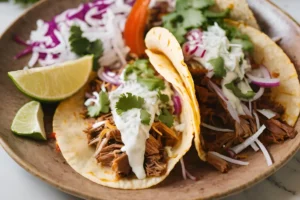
(218, 163)
(278, 132)
(153, 146)
(109, 144)
(121, 164)
(266, 103)
(155, 165)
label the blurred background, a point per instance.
(17, 184)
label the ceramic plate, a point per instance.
(42, 160)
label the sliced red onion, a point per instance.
(103, 75)
(228, 159)
(210, 74)
(267, 113)
(185, 173)
(177, 104)
(216, 128)
(246, 110)
(19, 40)
(258, 94)
(230, 109)
(265, 152)
(98, 124)
(191, 50)
(183, 168)
(264, 82)
(239, 148)
(195, 34)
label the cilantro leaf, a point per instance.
(82, 46)
(140, 67)
(166, 117)
(212, 14)
(200, 4)
(163, 97)
(154, 83)
(145, 117)
(238, 93)
(192, 18)
(128, 101)
(218, 65)
(102, 107)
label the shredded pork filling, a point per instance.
(214, 112)
(109, 142)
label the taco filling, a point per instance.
(136, 120)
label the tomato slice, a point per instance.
(135, 27)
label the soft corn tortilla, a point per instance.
(240, 11)
(268, 53)
(161, 41)
(69, 125)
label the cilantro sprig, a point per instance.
(101, 107)
(82, 46)
(128, 101)
(166, 117)
(190, 14)
(145, 75)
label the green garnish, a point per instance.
(238, 93)
(163, 97)
(212, 14)
(166, 117)
(82, 46)
(247, 45)
(154, 83)
(140, 67)
(145, 117)
(102, 107)
(129, 101)
(218, 64)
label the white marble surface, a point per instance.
(17, 184)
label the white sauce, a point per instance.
(217, 45)
(134, 134)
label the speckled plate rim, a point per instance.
(71, 191)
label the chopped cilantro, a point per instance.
(140, 67)
(166, 117)
(212, 14)
(238, 93)
(82, 46)
(247, 45)
(102, 107)
(154, 83)
(129, 101)
(163, 97)
(200, 4)
(218, 65)
(145, 117)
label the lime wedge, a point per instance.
(29, 121)
(53, 83)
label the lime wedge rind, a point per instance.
(53, 83)
(29, 122)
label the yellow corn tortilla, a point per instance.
(69, 125)
(269, 54)
(161, 41)
(240, 11)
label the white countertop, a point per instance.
(17, 184)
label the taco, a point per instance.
(127, 134)
(247, 88)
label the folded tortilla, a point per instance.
(266, 52)
(73, 143)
